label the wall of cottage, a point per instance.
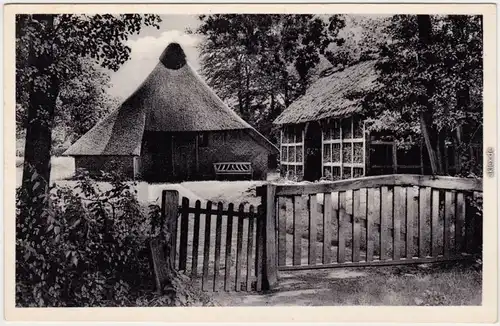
(232, 146)
(126, 165)
(190, 156)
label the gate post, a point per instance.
(269, 261)
(169, 211)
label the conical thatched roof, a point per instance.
(331, 95)
(173, 98)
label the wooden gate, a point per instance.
(217, 245)
(370, 221)
(382, 220)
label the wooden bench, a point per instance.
(233, 168)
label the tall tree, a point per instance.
(434, 140)
(261, 63)
(431, 77)
(49, 49)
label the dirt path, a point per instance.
(433, 284)
(300, 288)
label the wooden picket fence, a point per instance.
(382, 220)
(370, 221)
(218, 246)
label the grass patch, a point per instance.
(455, 284)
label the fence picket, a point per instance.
(327, 228)
(477, 223)
(469, 227)
(348, 202)
(424, 215)
(239, 245)
(250, 249)
(356, 227)
(341, 233)
(460, 220)
(313, 220)
(335, 217)
(173, 253)
(434, 223)
(297, 235)
(449, 212)
(229, 239)
(206, 247)
(385, 221)
(196, 239)
(261, 225)
(399, 215)
(372, 216)
(183, 245)
(282, 202)
(218, 235)
(411, 215)
(169, 213)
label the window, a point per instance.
(203, 139)
(292, 158)
(343, 148)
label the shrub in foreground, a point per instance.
(89, 248)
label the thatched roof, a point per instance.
(173, 98)
(332, 95)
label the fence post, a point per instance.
(269, 261)
(170, 208)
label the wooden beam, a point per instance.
(401, 261)
(381, 142)
(421, 155)
(366, 150)
(441, 182)
(352, 146)
(341, 150)
(196, 154)
(322, 155)
(394, 158)
(173, 157)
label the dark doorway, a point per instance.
(312, 146)
(156, 156)
(185, 156)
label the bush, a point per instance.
(89, 247)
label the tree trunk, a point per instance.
(41, 106)
(463, 89)
(430, 144)
(431, 138)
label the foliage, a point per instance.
(91, 248)
(83, 101)
(261, 63)
(450, 64)
(362, 37)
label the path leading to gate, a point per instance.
(303, 288)
(426, 284)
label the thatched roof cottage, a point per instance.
(173, 127)
(323, 132)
